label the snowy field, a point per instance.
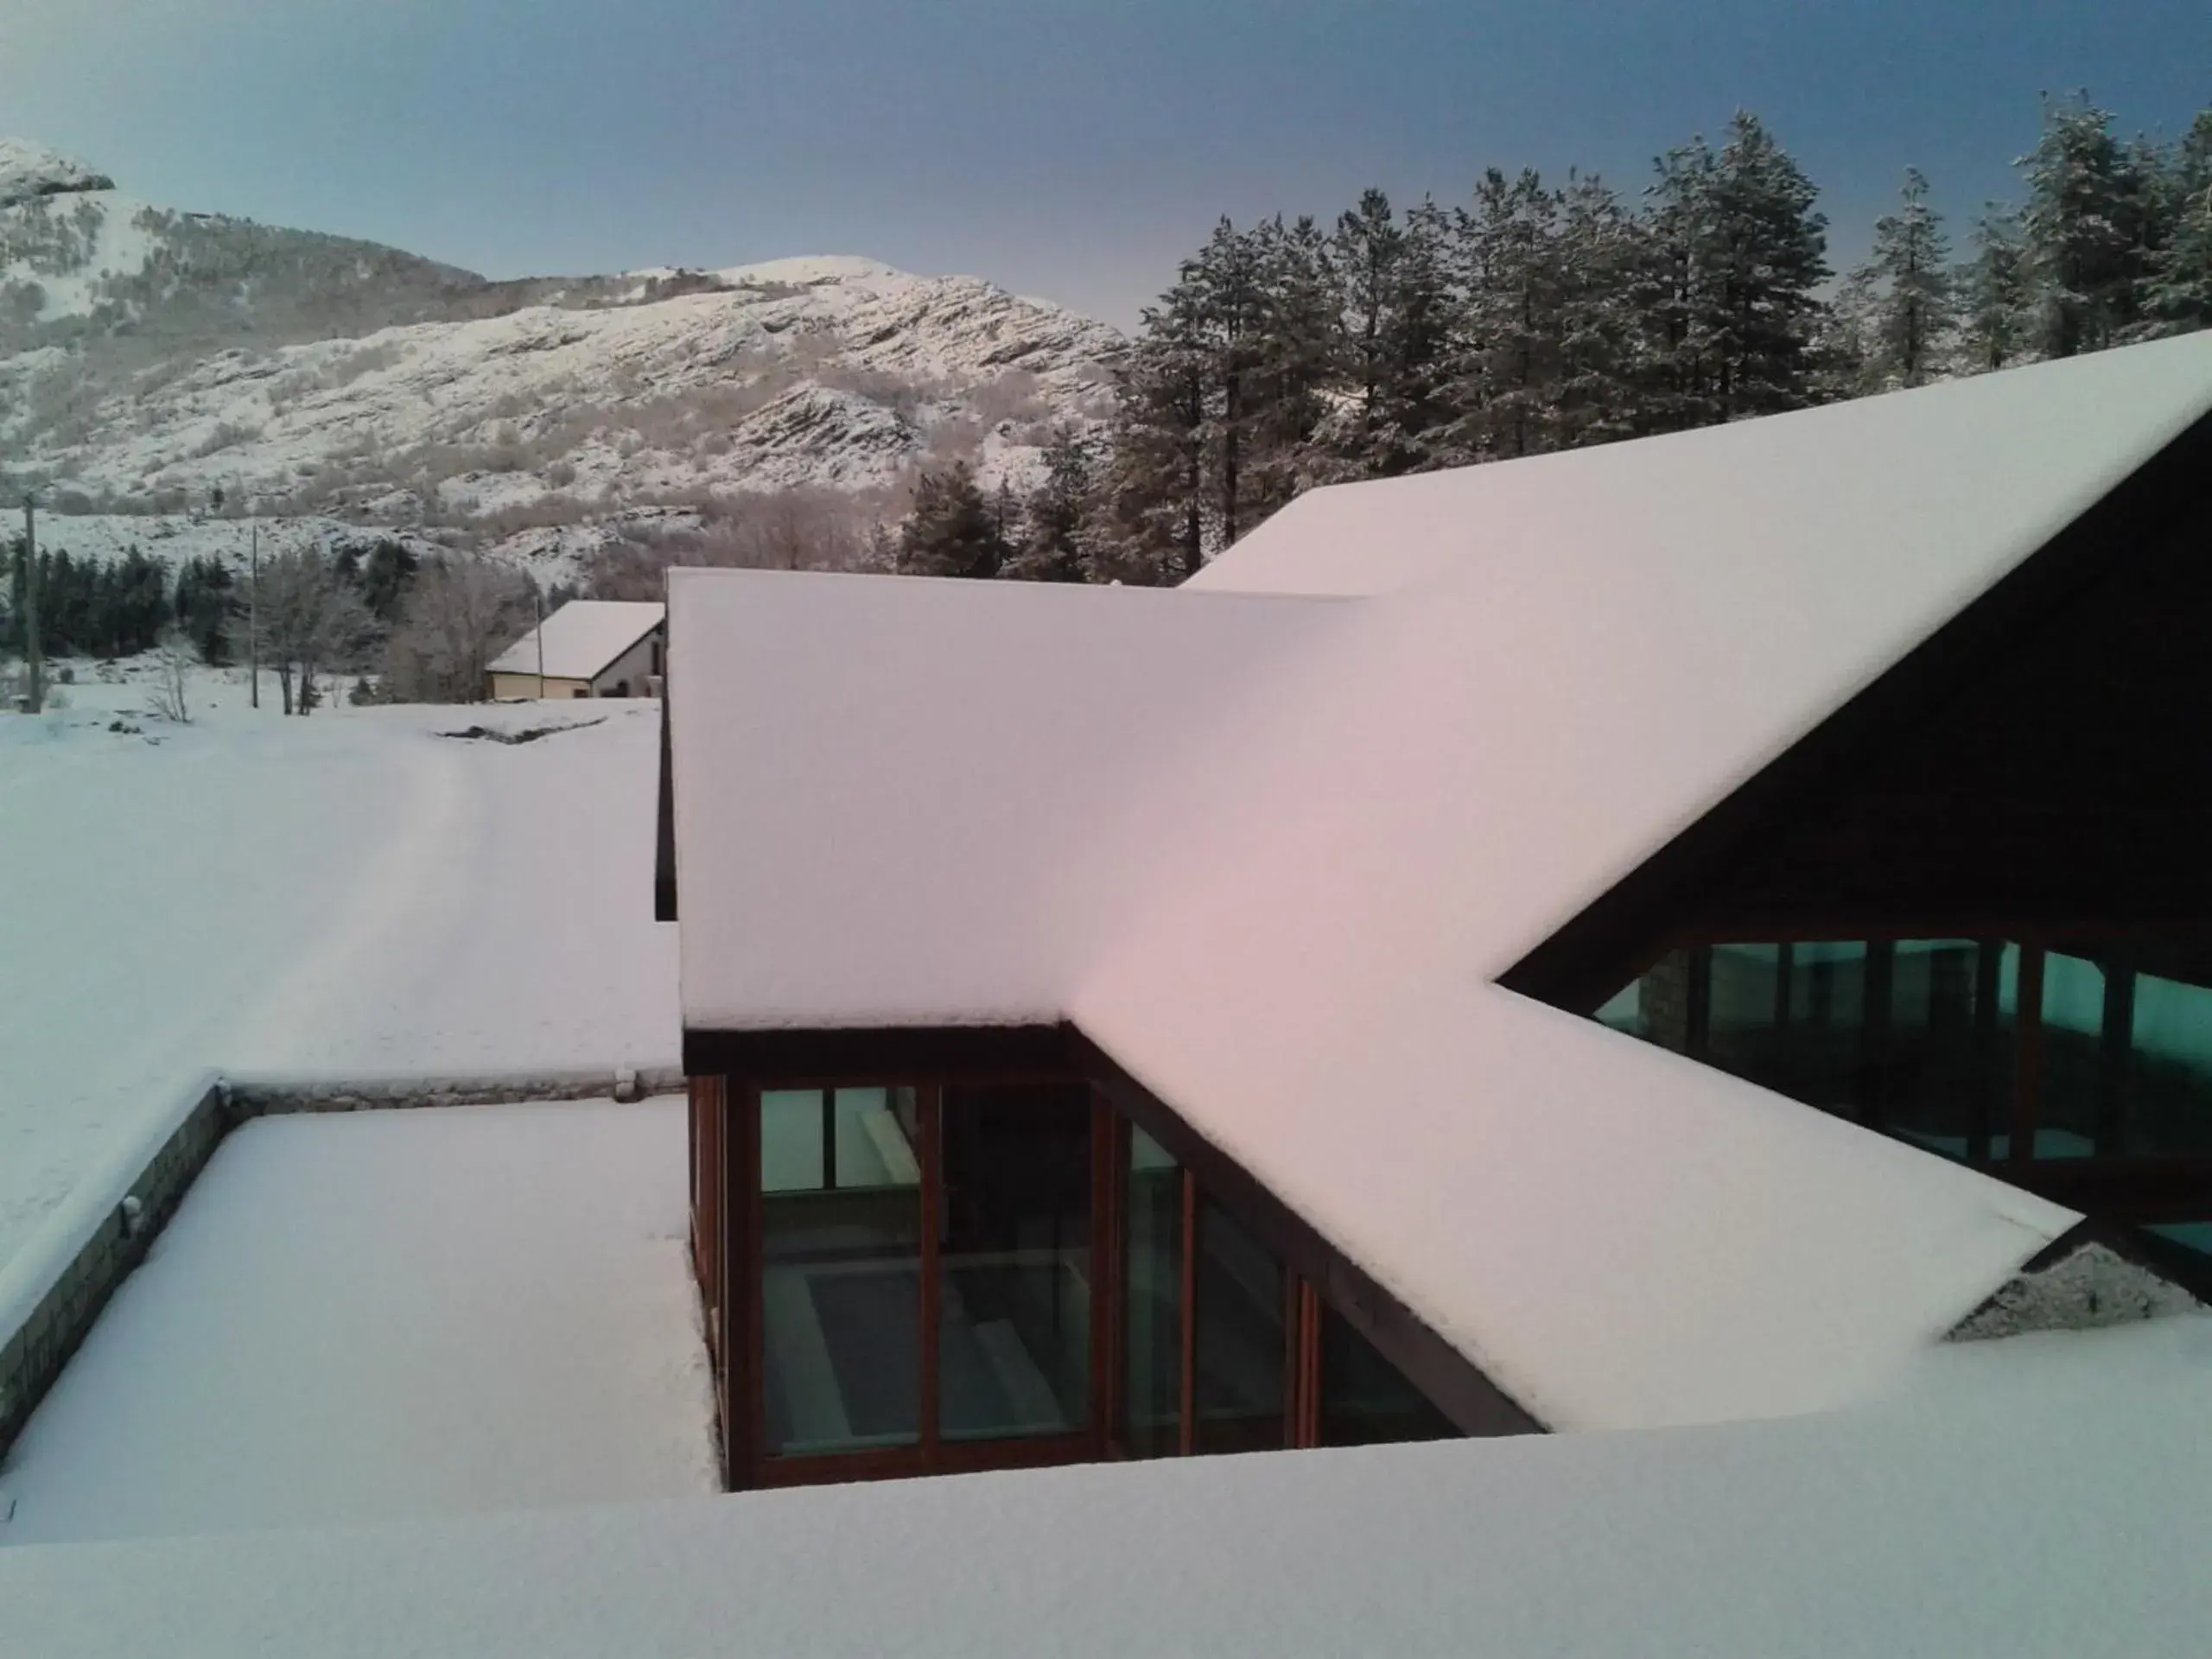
(2048, 1497)
(368, 1315)
(349, 894)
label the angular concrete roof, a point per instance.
(1273, 855)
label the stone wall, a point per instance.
(32, 1354)
(51, 1295)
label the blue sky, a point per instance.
(1071, 150)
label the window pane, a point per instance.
(1241, 1338)
(841, 1270)
(1153, 1270)
(1946, 1075)
(2170, 1068)
(1013, 1345)
(2074, 1078)
(1792, 1017)
(1365, 1399)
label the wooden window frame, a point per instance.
(2136, 1188)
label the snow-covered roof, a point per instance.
(1272, 860)
(582, 638)
(2039, 1498)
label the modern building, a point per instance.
(592, 648)
(1135, 1022)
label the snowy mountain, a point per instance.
(149, 357)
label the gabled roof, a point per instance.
(1274, 861)
(582, 639)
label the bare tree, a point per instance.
(790, 530)
(173, 658)
(462, 612)
(310, 620)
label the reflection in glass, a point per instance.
(1014, 1343)
(1153, 1270)
(1945, 1077)
(1792, 1017)
(841, 1270)
(1365, 1399)
(2072, 1097)
(1240, 1339)
(2170, 1068)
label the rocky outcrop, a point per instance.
(29, 170)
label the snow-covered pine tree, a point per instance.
(1292, 363)
(1910, 276)
(1395, 304)
(2086, 228)
(1601, 248)
(1510, 340)
(1147, 522)
(1999, 320)
(2176, 293)
(953, 529)
(1054, 513)
(1766, 256)
(1229, 305)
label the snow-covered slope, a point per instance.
(148, 357)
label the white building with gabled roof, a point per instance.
(588, 648)
(1269, 913)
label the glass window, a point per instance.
(1013, 1342)
(1152, 1337)
(841, 1270)
(1240, 1339)
(2072, 1096)
(1365, 1399)
(1792, 1017)
(2170, 1068)
(1945, 1077)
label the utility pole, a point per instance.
(253, 619)
(537, 600)
(30, 608)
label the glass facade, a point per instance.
(841, 1235)
(930, 1285)
(1926, 1039)
(1241, 1338)
(1013, 1328)
(1365, 1399)
(1152, 1319)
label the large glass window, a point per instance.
(1364, 1398)
(841, 1229)
(2168, 1090)
(1014, 1342)
(1944, 1074)
(1152, 1339)
(1792, 1017)
(2077, 1088)
(1240, 1339)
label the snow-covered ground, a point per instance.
(2047, 1495)
(347, 894)
(374, 1314)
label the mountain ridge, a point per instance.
(151, 358)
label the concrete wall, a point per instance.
(511, 687)
(635, 665)
(53, 1291)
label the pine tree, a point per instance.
(1227, 303)
(1292, 371)
(1911, 275)
(1512, 334)
(1601, 248)
(1054, 517)
(1998, 304)
(1149, 523)
(2177, 290)
(2084, 228)
(1395, 306)
(952, 530)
